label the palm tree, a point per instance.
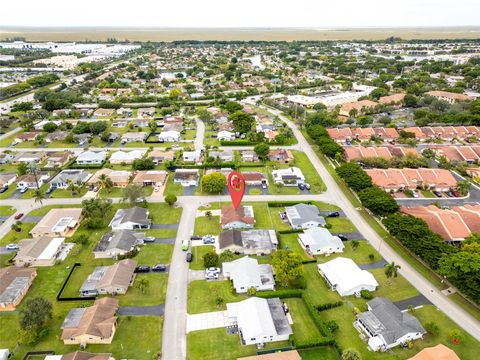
(39, 196)
(143, 284)
(391, 270)
(32, 168)
(208, 214)
(355, 244)
(71, 186)
(105, 182)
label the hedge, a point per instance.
(291, 231)
(286, 203)
(330, 305)
(314, 343)
(322, 327)
(313, 261)
(282, 294)
(238, 143)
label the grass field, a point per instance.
(7, 210)
(304, 329)
(198, 252)
(203, 295)
(14, 236)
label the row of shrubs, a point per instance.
(286, 203)
(330, 305)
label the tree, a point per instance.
(34, 317)
(288, 267)
(208, 214)
(463, 187)
(242, 122)
(262, 150)
(233, 106)
(39, 196)
(32, 169)
(391, 270)
(432, 328)
(170, 199)
(50, 127)
(22, 169)
(210, 259)
(354, 176)
(104, 182)
(378, 93)
(355, 244)
(204, 115)
(142, 284)
(378, 201)
(351, 354)
(132, 193)
(94, 211)
(214, 183)
(455, 336)
(143, 164)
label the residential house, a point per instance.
(468, 154)
(135, 218)
(392, 100)
(126, 157)
(114, 279)
(119, 178)
(393, 180)
(453, 225)
(63, 179)
(150, 177)
(103, 113)
(95, 324)
(192, 156)
(319, 241)
(186, 177)
(239, 218)
(31, 181)
(386, 326)
(146, 112)
(159, 156)
(449, 96)
(56, 136)
(7, 179)
(14, 284)
(225, 135)
(259, 320)
(39, 126)
(134, 137)
(288, 177)
(58, 159)
(304, 216)
(26, 136)
(437, 352)
(248, 242)
(5, 158)
(169, 136)
(386, 152)
(247, 273)
(248, 156)
(345, 277)
(41, 251)
(117, 243)
(281, 155)
(58, 223)
(224, 156)
(91, 158)
(29, 157)
(255, 178)
(358, 108)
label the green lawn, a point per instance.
(291, 240)
(304, 329)
(215, 344)
(152, 254)
(154, 294)
(14, 236)
(114, 192)
(309, 171)
(172, 188)
(45, 209)
(341, 225)
(320, 353)
(64, 193)
(395, 289)
(205, 225)
(198, 252)
(9, 192)
(360, 255)
(203, 294)
(162, 213)
(7, 210)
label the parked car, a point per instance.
(18, 216)
(449, 194)
(301, 186)
(342, 237)
(189, 257)
(456, 193)
(156, 189)
(307, 186)
(159, 268)
(3, 189)
(264, 185)
(23, 190)
(208, 239)
(12, 247)
(142, 269)
(149, 239)
(195, 237)
(437, 194)
(185, 244)
(211, 276)
(215, 270)
(333, 214)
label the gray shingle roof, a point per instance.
(302, 213)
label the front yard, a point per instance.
(207, 296)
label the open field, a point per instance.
(226, 34)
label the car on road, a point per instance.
(185, 244)
(18, 216)
(159, 268)
(189, 257)
(333, 214)
(142, 269)
(149, 239)
(195, 237)
(12, 247)
(342, 237)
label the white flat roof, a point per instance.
(51, 249)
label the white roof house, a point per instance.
(259, 320)
(247, 273)
(288, 177)
(225, 135)
(192, 156)
(127, 157)
(39, 126)
(41, 251)
(91, 157)
(344, 276)
(319, 241)
(169, 136)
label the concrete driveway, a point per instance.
(415, 301)
(204, 321)
(168, 241)
(164, 226)
(374, 265)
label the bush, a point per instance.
(366, 294)
(432, 328)
(286, 203)
(210, 259)
(327, 306)
(378, 201)
(170, 199)
(282, 294)
(332, 326)
(354, 176)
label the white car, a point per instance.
(214, 270)
(211, 276)
(156, 189)
(12, 247)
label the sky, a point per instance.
(240, 13)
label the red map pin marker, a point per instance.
(236, 187)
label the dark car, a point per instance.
(18, 216)
(301, 186)
(333, 214)
(49, 190)
(307, 186)
(142, 269)
(437, 194)
(159, 268)
(189, 257)
(195, 237)
(3, 188)
(342, 237)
